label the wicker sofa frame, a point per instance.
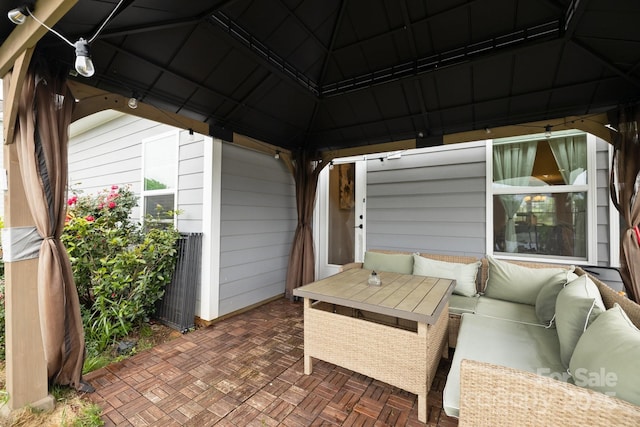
(493, 395)
(523, 398)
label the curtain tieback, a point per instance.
(637, 231)
(20, 243)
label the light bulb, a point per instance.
(133, 103)
(277, 155)
(547, 131)
(84, 64)
(18, 15)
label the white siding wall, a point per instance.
(603, 200)
(433, 200)
(258, 220)
(111, 154)
(190, 182)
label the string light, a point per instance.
(83, 63)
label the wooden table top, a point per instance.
(417, 298)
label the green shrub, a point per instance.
(120, 269)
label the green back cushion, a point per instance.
(395, 263)
(546, 300)
(607, 356)
(578, 304)
(516, 283)
(464, 274)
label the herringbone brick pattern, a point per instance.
(248, 371)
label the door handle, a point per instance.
(358, 226)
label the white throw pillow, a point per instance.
(464, 274)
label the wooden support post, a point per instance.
(26, 368)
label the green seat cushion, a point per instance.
(394, 263)
(577, 305)
(546, 301)
(607, 356)
(507, 310)
(501, 342)
(459, 304)
(512, 282)
(464, 274)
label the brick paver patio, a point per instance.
(248, 371)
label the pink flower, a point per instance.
(72, 200)
(100, 206)
(114, 187)
(89, 218)
(112, 205)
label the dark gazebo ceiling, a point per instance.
(328, 74)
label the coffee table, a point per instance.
(395, 333)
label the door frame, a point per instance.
(321, 217)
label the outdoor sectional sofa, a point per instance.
(535, 344)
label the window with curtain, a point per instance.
(160, 176)
(540, 191)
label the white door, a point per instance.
(340, 216)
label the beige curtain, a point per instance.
(625, 187)
(302, 259)
(41, 138)
(512, 166)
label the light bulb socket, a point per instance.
(84, 64)
(547, 131)
(19, 15)
(82, 48)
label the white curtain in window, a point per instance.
(512, 165)
(571, 155)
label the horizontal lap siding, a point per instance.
(603, 200)
(429, 201)
(435, 201)
(258, 220)
(190, 183)
(110, 154)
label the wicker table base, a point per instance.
(399, 357)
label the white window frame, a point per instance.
(590, 188)
(173, 153)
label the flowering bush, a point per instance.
(120, 268)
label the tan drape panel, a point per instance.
(302, 259)
(625, 187)
(41, 139)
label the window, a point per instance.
(542, 196)
(160, 176)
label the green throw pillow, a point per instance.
(578, 304)
(546, 300)
(606, 356)
(464, 274)
(394, 263)
(516, 283)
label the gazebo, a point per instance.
(309, 80)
